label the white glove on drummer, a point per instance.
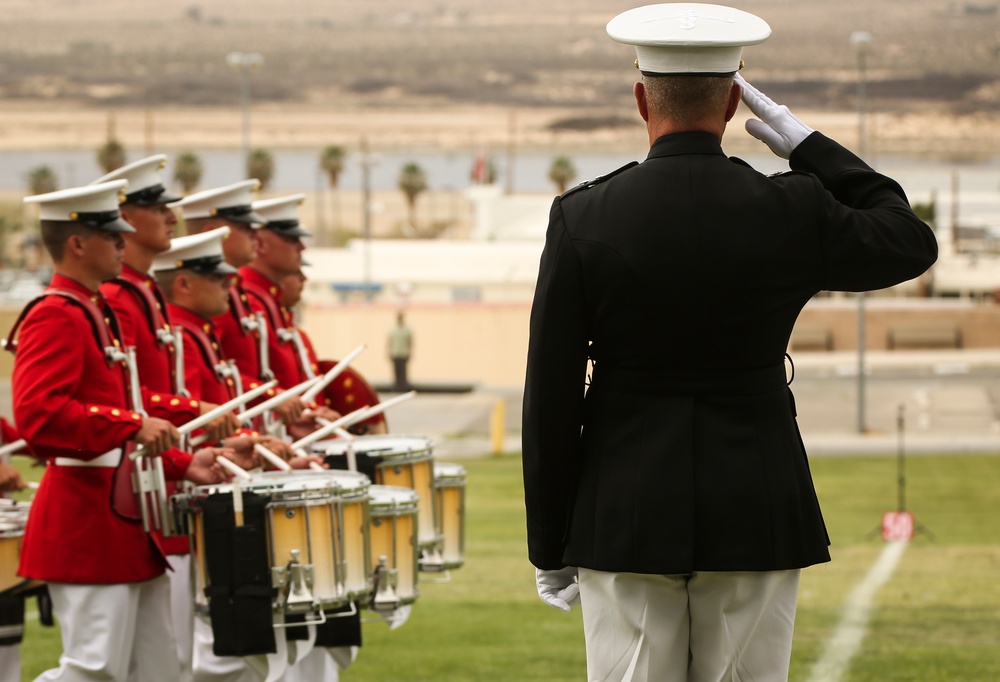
(558, 588)
(778, 128)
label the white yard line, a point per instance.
(854, 620)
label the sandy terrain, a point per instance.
(34, 125)
(453, 74)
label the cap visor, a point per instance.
(255, 220)
(118, 225)
(296, 231)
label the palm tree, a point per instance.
(412, 181)
(260, 165)
(562, 171)
(111, 155)
(331, 161)
(42, 179)
(187, 171)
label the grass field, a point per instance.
(937, 619)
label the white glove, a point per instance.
(777, 128)
(558, 588)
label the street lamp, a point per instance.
(244, 62)
(861, 40)
(368, 161)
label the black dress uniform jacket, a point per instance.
(681, 278)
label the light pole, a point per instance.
(368, 161)
(244, 62)
(861, 40)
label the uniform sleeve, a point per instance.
(553, 395)
(175, 464)
(870, 236)
(46, 381)
(176, 409)
(8, 433)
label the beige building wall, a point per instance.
(482, 343)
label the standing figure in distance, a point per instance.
(400, 347)
(676, 488)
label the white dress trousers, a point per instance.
(10, 663)
(182, 610)
(110, 630)
(700, 627)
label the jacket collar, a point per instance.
(694, 142)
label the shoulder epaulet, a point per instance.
(739, 162)
(600, 178)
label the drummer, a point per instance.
(279, 248)
(138, 302)
(69, 396)
(230, 206)
(146, 326)
(196, 281)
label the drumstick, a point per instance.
(325, 431)
(233, 468)
(11, 448)
(337, 369)
(341, 433)
(276, 400)
(237, 504)
(272, 458)
(358, 415)
(316, 466)
(215, 412)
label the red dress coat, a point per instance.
(237, 344)
(141, 311)
(140, 316)
(264, 296)
(69, 403)
(202, 352)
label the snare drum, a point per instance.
(405, 461)
(316, 525)
(13, 518)
(449, 486)
(393, 545)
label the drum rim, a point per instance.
(381, 452)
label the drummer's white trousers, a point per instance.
(108, 628)
(10, 663)
(702, 627)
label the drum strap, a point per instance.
(271, 307)
(238, 308)
(152, 300)
(240, 594)
(102, 329)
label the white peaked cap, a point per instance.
(231, 202)
(688, 38)
(93, 205)
(200, 252)
(145, 186)
(282, 214)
